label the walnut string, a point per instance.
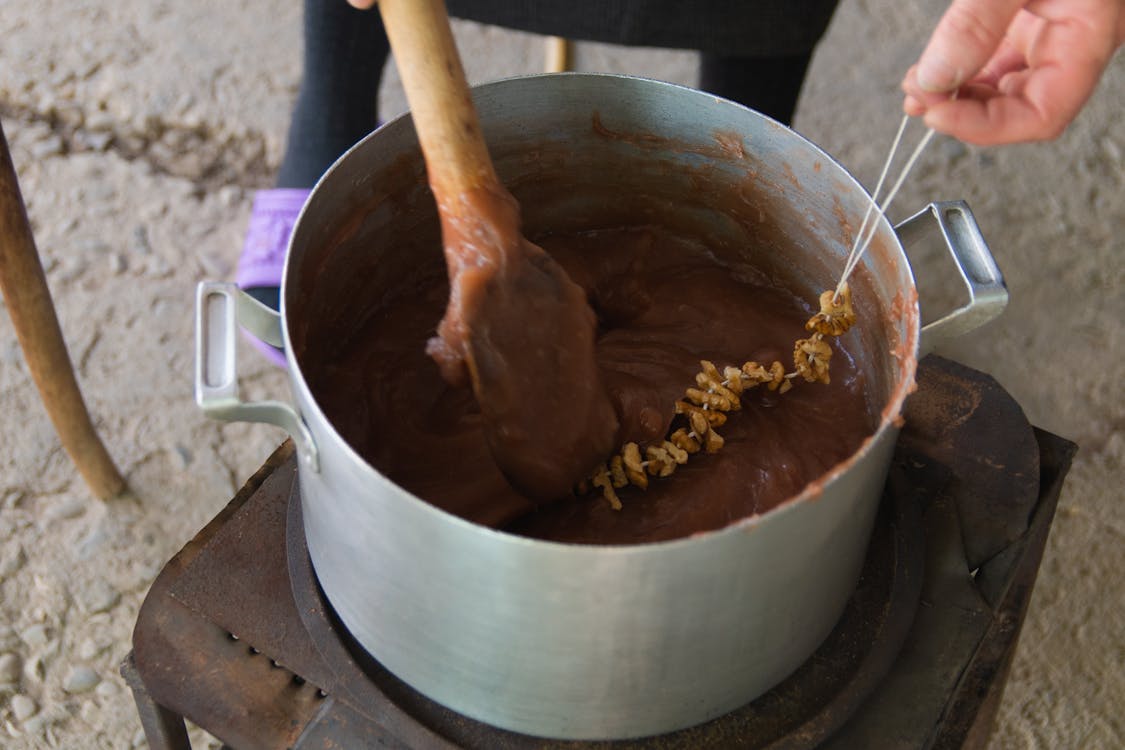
(867, 233)
(705, 406)
(716, 393)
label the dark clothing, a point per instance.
(345, 51)
(745, 28)
(769, 85)
(754, 52)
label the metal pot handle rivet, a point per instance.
(219, 308)
(952, 222)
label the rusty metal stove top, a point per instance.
(236, 636)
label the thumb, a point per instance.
(964, 40)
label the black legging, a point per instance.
(346, 50)
(769, 85)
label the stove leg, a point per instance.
(164, 729)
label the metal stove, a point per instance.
(236, 636)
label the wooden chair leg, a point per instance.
(24, 287)
(558, 52)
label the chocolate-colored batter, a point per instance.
(516, 324)
(663, 302)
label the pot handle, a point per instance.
(958, 232)
(219, 307)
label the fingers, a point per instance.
(1036, 79)
(918, 101)
(1028, 105)
(361, 4)
(992, 120)
(1008, 56)
(1033, 103)
(965, 39)
(1007, 60)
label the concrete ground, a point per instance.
(140, 130)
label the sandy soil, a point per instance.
(141, 129)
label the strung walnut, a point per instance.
(811, 357)
(603, 480)
(714, 418)
(716, 393)
(634, 466)
(836, 314)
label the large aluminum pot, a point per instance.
(573, 641)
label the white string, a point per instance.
(873, 204)
(866, 233)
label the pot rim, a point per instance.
(903, 373)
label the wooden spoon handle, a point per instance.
(422, 42)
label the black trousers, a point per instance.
(755, 52)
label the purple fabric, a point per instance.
(271, 353)
(263, 253)
(267, 237)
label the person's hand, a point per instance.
(361, 4)
(1020, 69)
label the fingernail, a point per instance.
(936, 75)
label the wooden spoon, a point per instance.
(516, 324)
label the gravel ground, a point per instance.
(141, 129)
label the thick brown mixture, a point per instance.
(508, 301)
(663, 303)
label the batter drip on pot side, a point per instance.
(664, 302)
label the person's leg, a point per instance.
(344, 53)
(769, 85)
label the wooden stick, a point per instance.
(25, 291)
(558, 55)
(457, 159)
